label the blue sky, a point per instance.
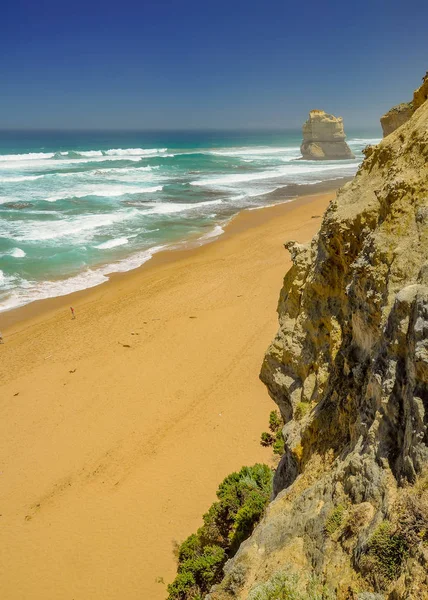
(220, 64)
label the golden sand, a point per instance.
(117, 427)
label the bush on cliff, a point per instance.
(242, 498)
(274, 438)
(382, 561)
(284, 586)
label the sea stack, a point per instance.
(324, 138)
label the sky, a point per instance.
(219, 64)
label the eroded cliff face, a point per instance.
(348, 370)
(324, 138)
(400, 114)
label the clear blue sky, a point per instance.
(206, 64)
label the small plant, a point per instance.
(382, 561)
(301, 410)
(275, 422)
(281, 586)
(275, 437)
(242, 498)
(334, 520)
(266, 439)
(278, 445)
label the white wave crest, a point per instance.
(295, 169)
(113, 243)
(106, 192)
(214, 233)
(28, 156)
(255, 151)
(19, 179)
(17, 253)
(135, 151)
(83, 227)
(168, 208)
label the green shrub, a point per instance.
(278, 445)
(275, 438)
(301, 410)
(266, 439)
(385, 552)
(242, 498)
(280, 586)
(275, 421)
(334, 519)
(283, 586)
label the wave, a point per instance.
(29, 291)
(28, 156)
(297, 169)
(213, 234)
(84, 226)
(167, 208)
(82, 154)
(19, 179)
(106, 192)
(255, 151)
(113, 243)
(135, 151)
(17, 253)
(118, 171)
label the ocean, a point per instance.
(78, 206)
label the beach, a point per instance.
(118, 426)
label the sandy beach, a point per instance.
(117, 426)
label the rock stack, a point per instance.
(324, 138)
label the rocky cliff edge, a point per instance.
(348, 370)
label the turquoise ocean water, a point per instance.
(75, 207)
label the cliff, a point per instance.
(348, 370)
(400, 114)
(324, 138)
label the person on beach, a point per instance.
(1, 338)
(73, 316)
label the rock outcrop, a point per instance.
(324, 138)
(400, 114)
(348, 370)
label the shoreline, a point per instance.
(11, 317)
(118, 427)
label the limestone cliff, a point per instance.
(349, 371)
(400, 114)
(324, 138)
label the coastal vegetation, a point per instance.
(285, 586)
(242, 498)
(273, 437)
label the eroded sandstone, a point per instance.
(352, 347)
(324, 138)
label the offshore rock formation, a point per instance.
(400, 114)
(349, 371)
(324, 138)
